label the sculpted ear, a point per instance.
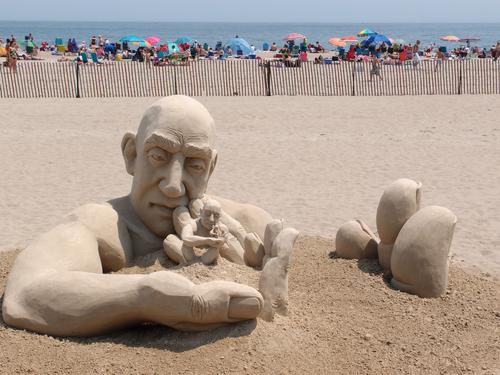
(129, 152)
(213, 162)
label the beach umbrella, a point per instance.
(376, 39)
(293, 36)
(184, 40)
(131, 38)
(152, 40)
(350, 38)
(239, 44)
(337, 42)
(450, 38)
(367, 32)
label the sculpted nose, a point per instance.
(171, 185)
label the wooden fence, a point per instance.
(247, 77)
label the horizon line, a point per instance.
(263, 22)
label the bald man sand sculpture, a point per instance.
(59, 285)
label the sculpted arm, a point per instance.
(57, 287)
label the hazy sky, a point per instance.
(257, 10)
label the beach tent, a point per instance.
(376, 39)
(173, 48)
(239, 44)
(367, 32)
(134, 41)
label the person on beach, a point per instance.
(497, 51)
(375, 62)
(440, 57)
(12, 55)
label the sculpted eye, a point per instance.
(157, 156)
(196, 166)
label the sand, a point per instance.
(343, 319)
(317, 162)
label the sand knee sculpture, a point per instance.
(59, 284)
(398, 203)
(420, 256)
(355, 240)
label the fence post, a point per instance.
(267, 66)
(77, 80)
(175, 78)
(353, 92)
(460, 78)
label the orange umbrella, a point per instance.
(337, 42)
(450, 38)
(350, 38)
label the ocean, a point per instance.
(254, 33)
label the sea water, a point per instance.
(254, 33)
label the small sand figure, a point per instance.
(209, 233)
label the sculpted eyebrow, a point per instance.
(197, 151)
(156, 140)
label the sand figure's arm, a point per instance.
(56, 286)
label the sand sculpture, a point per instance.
(414, 244)
(400, 200)
(355, 240)
(59, 284)
(420, 257)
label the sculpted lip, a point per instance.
(162, 208)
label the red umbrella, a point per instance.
(350, 38)
(152, 39)
(294, 36)
(337, 42)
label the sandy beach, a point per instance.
(315, 161)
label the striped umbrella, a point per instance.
(367, 32)
(152, 40)
(294, 36)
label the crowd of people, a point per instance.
(101, 49)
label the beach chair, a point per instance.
(328, 61)
(161, 54)
(295, 51)
(94, 58)
(265, 46)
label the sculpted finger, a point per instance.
(224, 301)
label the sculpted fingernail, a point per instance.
(244, 308)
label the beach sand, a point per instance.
(315, 161)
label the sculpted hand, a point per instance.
(217, 242)
(173, 300)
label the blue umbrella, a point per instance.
(376, 39)
(131, 38)
(239, 44)
(184, 40)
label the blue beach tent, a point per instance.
(239, 44)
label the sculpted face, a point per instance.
(171, 159)
(210, 214)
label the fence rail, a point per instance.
(247, 77)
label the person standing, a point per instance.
(375, 62)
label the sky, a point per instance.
(256, 10)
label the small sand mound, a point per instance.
(196, 271)
(343, 318)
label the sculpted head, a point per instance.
(171, 159)
(210, 214)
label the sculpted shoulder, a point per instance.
(252, 218)
(115, 246)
